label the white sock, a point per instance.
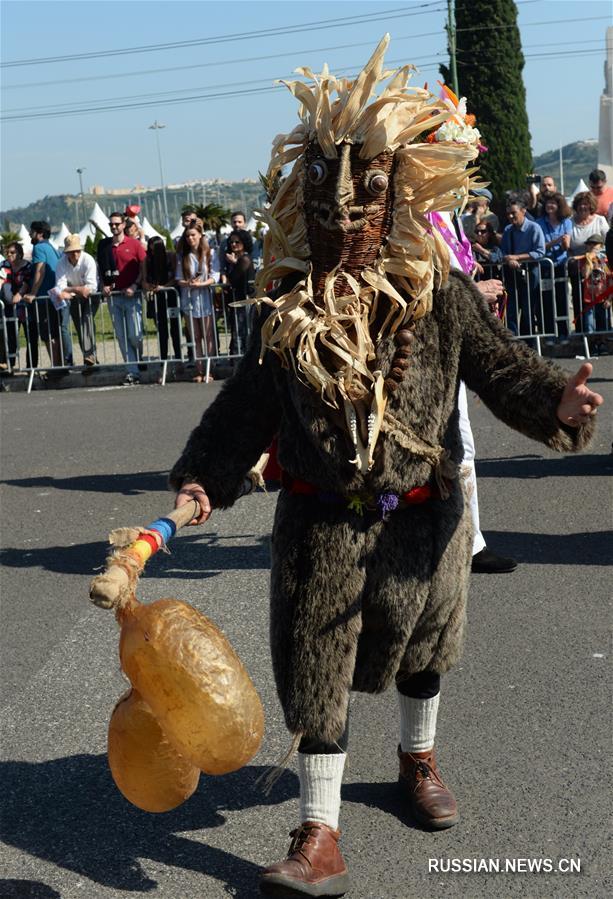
(320, 787)
(417, 722)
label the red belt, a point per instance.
(412, 497)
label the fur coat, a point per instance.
(355, 600)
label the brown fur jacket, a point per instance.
(355, 600)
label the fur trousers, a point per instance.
(355, 600)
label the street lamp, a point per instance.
(157, 126)
(80, 174)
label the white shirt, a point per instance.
(83, 274)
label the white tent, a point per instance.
(24, 240)
(100, 220)
(251, 224)
(149, 230)
(86, 231)
(225, 229)
(580, 188)
(178, 230)
(59, 238)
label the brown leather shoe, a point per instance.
(430, 801)
(314, 865)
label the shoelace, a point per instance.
(427, 772)
(300, 837)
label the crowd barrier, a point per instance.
(548, 302)
(543, 302)
(131, 333)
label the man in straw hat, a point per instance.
(354, 364)
(76, 282)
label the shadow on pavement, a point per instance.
(193, 556)
(532, 466)
(27, 889)
(69, 812)
(127, 484)
(384, 796)
(593, 548)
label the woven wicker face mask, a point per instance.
(348, 210)
(350, 218)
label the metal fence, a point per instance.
(544, 303)
(128, 332)
(548, 303)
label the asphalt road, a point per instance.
(524, 725)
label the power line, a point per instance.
(215, 95)
(347, 71)
(366, 18)
(530, 24)
(204, 65)
(295, 53)
(73, 111)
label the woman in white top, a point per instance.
(586, 223)
(195, 276)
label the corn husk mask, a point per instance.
(350, 219)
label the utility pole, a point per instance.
(451, 45)
(561, 172)
(157, 126)
(80, 174)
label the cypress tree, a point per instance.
(490, 63)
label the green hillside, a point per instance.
(578, 160)
(244, 195)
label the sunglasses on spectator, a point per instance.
(480, 230)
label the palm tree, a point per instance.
(213, 216)
(8, 235)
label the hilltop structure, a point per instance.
(605, 135)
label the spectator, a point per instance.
(522, 245)
(19, 314)
(239, 225)
(586, 223)
(486, 251)
(53, 322)
(195, 276)
(479, 211)
(159, 276)
(602, 193)
(134, 230)
(557, 228)
(240, 277)
(609, 246)
(121, 262)
(539, 194)
(597, 288)
(76, 282)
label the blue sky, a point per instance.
(229, 137)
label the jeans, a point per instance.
(595, 318)
(127, 315)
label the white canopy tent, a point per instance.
(177, 230)
(100, 220)
(149, 230)
(58, 239)
(24, 240)
(86, 231)
(580, 188)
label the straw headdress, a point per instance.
(327, 337)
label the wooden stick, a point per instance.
(123, 568)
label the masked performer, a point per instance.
(354, 363)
